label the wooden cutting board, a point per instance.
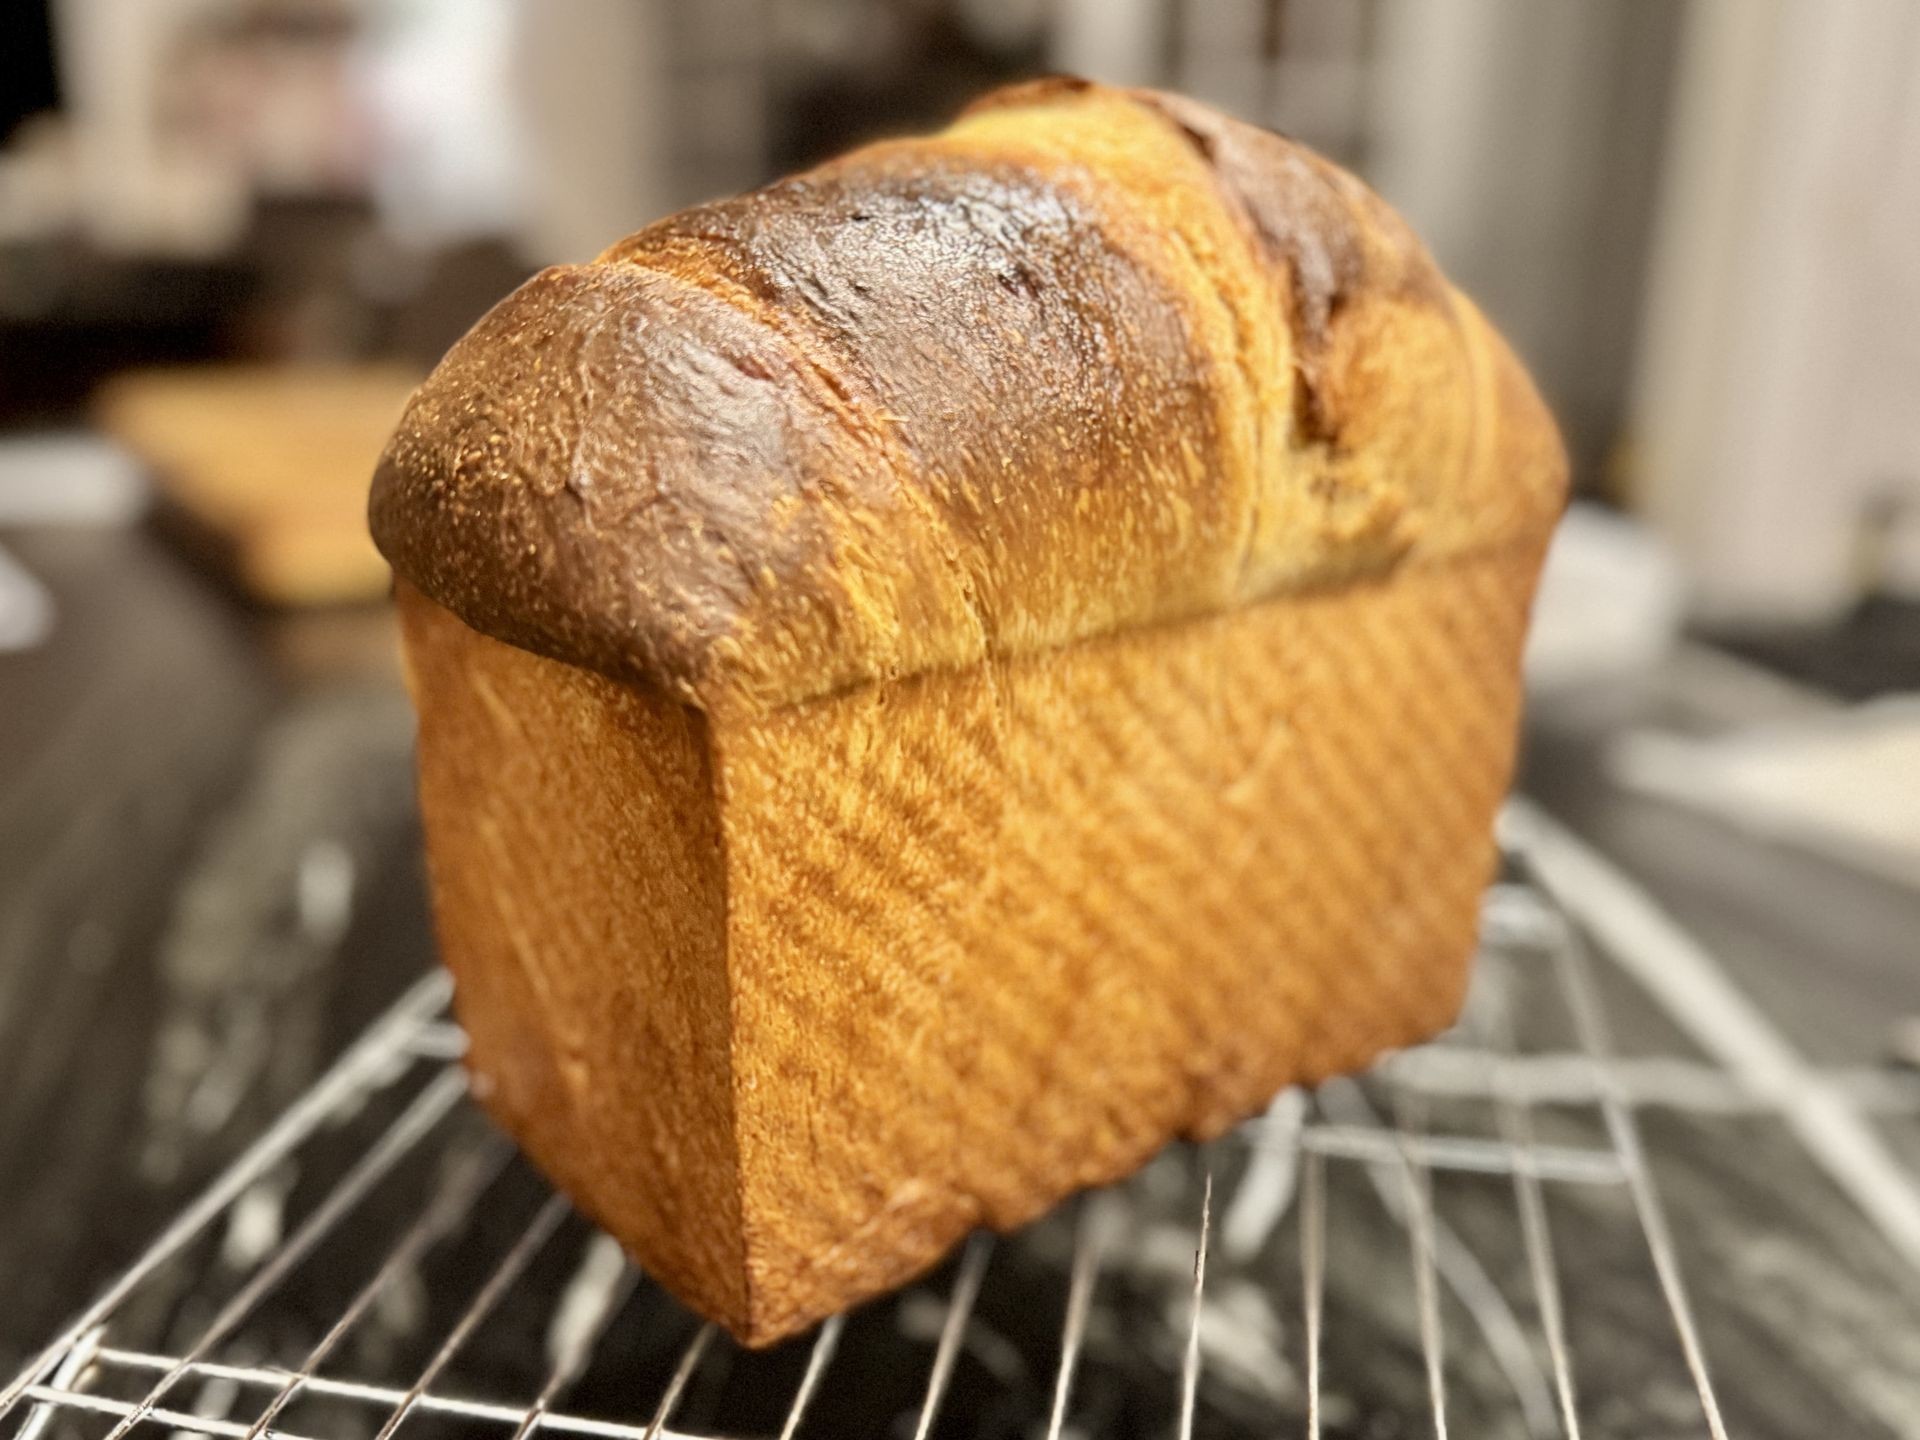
(266, 468)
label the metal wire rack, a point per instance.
(379, 1261)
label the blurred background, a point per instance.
(234, 233)
(1693, 219)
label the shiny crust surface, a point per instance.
(1089, 360)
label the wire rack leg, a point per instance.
(1453, 1262)
(538, 1231)
(1417, 1189)
(419, 1118)
(1313, 1273)
(362, 1067)
(682, 1374)
(444, 1211)
(1583, 1000)
(824, 1344)
(1697, 993)
(608, 1281)
(1515, 1119)
(1089, 1242)
(72, 1365)
(1190, 1370)
(966, 1290)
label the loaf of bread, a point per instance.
(945, 673)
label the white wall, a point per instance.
(1779, 392)
(595, 86)
(1521, 139)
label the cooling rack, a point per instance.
(1414, 1243)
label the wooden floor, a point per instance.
(209, 883)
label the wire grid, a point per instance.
(1281, 1186)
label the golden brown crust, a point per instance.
(790, 1002)
(1086, 361)
(580, 898)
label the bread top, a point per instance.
(1088, 360)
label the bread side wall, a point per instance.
(997, 934)
(579, 897)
